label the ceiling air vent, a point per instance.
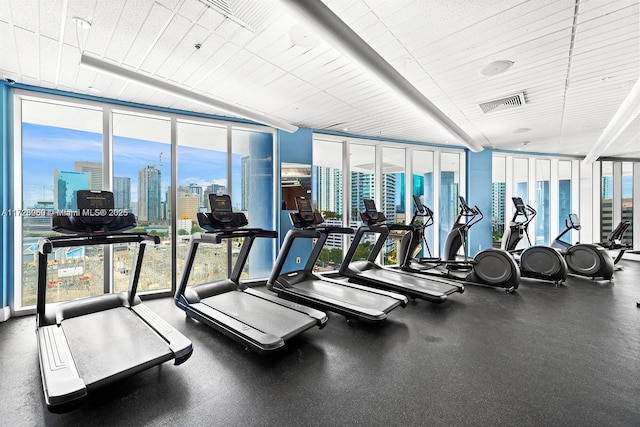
(253, 15)
(513, 101)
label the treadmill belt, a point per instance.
(361, 298)
(260, 314)
(111, 342)
(401, 280)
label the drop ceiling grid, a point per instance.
(27, 41)
(47, 62)
(165, 54)
(204, 73)
(9, 60)
(103, 27)
(144, 39)
(132, 17)
(503, 30)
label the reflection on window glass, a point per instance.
(61, 153)
(498, 200)
(564, 196)
(362, 163)
(393, 199)
(252, 193)
(327, 193)
(449, 192)
(543, 172)
(627, 201)
(606, 201)
(422, 163)
(141, 176)
(202, 170)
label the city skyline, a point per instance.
(43, 155)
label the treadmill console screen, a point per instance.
(303, 204)
(574, 220)
(88, 199)
(95, 207)
(304, 208)
(220, 203)
(519, 203)
(370, 205)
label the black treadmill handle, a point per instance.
(241, 232)
(333, 230)
(47, 244)
(404, 227)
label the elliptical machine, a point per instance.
(584, 259)
(491, 268)
(539, 261)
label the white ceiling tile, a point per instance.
(127, 28)
(9, 62)
(166, 48)
(145, 39)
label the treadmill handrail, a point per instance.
(47, 244)
(217, 236)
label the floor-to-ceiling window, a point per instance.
(564, 196)
(543, 179)
(393, 198)
(61, 152)
(606, 200)
(422, 165)
(627, 201)
(60, 148)
(498, 199)
(362, 161)
(449, 192)
(142, 172)
(327, 191)
(202, 170)
(520, 180)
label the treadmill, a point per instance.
(93, 341)
(259, 321)
(348, 299)
(369, 273)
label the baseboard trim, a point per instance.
(5, 314)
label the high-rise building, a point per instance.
(188, 205)
(65, 186)
(94, 170)
(498, 206)
(122, 193)
(328, 189)
(418, 189)
(149, 196)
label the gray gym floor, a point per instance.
(543, 356)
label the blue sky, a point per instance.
(47, 148)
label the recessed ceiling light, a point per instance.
(345, 129)
(81, 23)
(94, 90)
(496, 67)
(522, 130)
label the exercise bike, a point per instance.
(584, 259)
(491, 268)
(539, 261)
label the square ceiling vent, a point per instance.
(506, 103)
